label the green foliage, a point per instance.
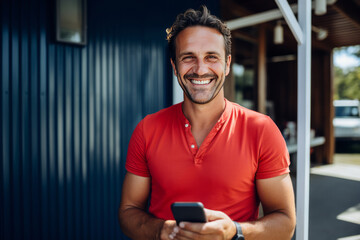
(347, 81)
(355, 50)
(352, 50)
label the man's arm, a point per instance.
(134, 220)
(277, 197)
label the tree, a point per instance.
(355, 50)
(352, 50)
(347, 81)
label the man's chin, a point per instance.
(201, 100)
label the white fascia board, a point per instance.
(264, 17)
(257, 18)
(291, 20)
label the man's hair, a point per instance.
(197, 18)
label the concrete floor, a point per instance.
(334, 208)
(335, 199)
(346, 166)
(347, 158)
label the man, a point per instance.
(207, 150)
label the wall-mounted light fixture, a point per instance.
(278, 33)
(321, 33)
(320, 7)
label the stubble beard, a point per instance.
(193, 98)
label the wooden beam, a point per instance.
(329, 129)
(262, 70)
(349, 9)
(231, 9)
(320, 44)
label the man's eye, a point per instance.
(187, 58)
(212, 57)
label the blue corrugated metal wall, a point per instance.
(67, 113)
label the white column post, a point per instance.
(303, 122)
(178, 94)
(302, 33)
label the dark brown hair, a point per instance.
(197, 18)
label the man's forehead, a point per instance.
(200, 30)
(200, 38)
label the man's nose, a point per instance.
(200, 67)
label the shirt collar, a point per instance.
(224, 116)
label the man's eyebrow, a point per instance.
(185, 53)
(191, 53)
(213, 52)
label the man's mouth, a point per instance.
(200, 79)
(201, 82)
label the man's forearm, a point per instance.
(277, 226)
(137, 224)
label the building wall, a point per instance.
(67, 112)
(322, 109)
(282, 89)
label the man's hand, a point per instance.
(218, 227)
(167, 229)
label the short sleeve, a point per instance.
(136, 155)
(274, 157)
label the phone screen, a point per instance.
(188, 212)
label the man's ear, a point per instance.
(228, 64)
(173, 66)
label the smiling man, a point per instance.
(201, 66)
(206, 149)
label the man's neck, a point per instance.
(204, 115)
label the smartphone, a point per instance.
(188, 212)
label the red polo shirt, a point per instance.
(243, 146)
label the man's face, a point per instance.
(201, 64)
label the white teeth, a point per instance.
(200, 82)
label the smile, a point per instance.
(202, 82)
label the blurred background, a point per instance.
(78, 75)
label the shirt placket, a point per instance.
(198, 153)
(205, 146)
(190, 138)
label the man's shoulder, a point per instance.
(243, 113)
(164, 114)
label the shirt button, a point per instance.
(186, 125)
(192, 146)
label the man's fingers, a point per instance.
(211, 230)
(212, 215)
(217, 227)
(167, 229)
(200, 228)
(193, 227)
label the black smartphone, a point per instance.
(188, 212)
